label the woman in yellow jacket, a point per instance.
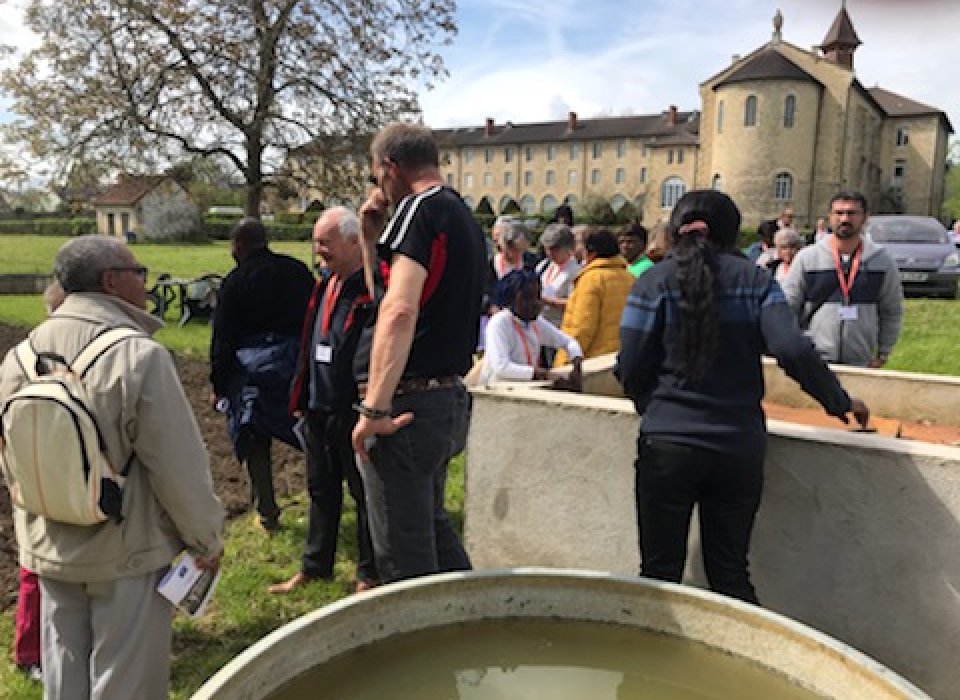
(599, 294)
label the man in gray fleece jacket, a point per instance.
(846, 290)
(105, 631)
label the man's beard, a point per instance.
(845, 233)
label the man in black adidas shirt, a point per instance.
(414, 410)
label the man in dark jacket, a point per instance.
(256, 331)
(324, 392)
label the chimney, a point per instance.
(672, 115)
(735, 58)
(571, 121)
(488, 129)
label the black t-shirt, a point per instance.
(435, 229)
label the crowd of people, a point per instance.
(362, 367)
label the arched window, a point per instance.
(789, 111)
(528, 204)
(617, 202)
(470, 202)
(571, 201)
(717, 183)
(505, 202)
(783, 186)
(750, 111)
(548, 204)
(673, 189)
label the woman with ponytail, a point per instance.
(691, 337)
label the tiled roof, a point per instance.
(841, 32)
(129, 190)
(899, 106)
(767, 64)
(655, 127)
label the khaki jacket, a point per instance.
(593, 311)
(168, 501)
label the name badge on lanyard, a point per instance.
(323, 354)
(846, 310)
(847, 313)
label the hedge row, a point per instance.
(49, 227)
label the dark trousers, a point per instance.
(671, 478)
(405, 484)
(261, 476)
(330, 460)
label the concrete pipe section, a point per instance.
(534, 633)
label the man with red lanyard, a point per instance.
(846, 290)
(323, 393)
(414, 410)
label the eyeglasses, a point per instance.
(139, 270)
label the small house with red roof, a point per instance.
(149, 206)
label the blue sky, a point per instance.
(525, 60)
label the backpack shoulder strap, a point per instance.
(98, 346)
(27, 359)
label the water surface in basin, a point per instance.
(521, 659)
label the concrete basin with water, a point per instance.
(761, 642)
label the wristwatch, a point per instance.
(371, 413)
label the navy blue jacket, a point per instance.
(721, 411)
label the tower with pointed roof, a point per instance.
(841, 40)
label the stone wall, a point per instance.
(24, 283)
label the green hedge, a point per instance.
(48, 227)
(219, 229)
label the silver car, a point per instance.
(928, 262)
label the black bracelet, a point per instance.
(371, 413)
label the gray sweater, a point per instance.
(812, 289)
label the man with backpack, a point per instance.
(106, 632)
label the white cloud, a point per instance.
(536, 61)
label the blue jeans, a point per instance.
(411, 531)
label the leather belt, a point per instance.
(414, 384)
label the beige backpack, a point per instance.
(51, 449)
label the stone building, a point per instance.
(154, 207)
(780, 126)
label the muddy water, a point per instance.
(539, 660)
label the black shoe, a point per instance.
(269, 525)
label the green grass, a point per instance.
(35, 254)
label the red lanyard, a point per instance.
(330, 296)
(551, 274)
(846, 282)
(532, 360)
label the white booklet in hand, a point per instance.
(187, 586)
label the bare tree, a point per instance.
(142, 83)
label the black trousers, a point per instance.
(671, 478)
(330, 460)
(261, 476)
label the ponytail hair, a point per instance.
(703, 224)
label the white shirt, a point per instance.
(512, 347)
(556, 282)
